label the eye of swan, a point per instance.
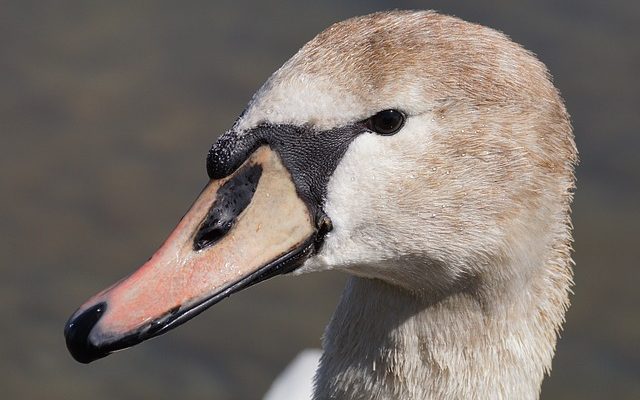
(386, 122)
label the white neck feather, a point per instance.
(386, 343)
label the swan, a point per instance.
(429, 158)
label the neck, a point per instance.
(386, 343)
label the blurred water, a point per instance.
(108, 110)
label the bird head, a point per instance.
(409, 147)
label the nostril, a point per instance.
(231, 199)
(77, 331)
(211, 233)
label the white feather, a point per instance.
(296, 381)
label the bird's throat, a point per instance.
(385, 343)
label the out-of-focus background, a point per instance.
(107, 110)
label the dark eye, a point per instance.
(386, 122)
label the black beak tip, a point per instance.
(76, 333)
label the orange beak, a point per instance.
(242, 229)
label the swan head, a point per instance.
(409, 147)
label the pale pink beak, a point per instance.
(242, 229)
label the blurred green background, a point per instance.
(107, 110)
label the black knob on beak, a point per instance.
(76, 333)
